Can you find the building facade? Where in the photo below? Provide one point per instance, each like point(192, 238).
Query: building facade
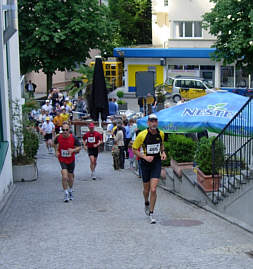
point(178, 24)
point(10, 86)
point(180, 46)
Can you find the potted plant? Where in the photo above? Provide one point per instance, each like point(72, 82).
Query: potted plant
point(25, 144)
point(122, 104)
point(203, 157)
point(181, 152)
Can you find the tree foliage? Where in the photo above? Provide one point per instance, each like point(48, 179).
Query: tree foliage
point(134, 21)
point(57, 34)
point(231, 21)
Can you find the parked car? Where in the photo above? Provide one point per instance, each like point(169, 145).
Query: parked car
point(187, 87)
point(241, 91)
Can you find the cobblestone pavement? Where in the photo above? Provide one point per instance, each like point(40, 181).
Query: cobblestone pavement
point(105, 226)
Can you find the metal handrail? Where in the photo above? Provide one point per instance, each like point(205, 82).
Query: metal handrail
point(239, 148)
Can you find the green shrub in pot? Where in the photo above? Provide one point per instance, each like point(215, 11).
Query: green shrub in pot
point(203, 155)
point(182, 149)
point(179, 148)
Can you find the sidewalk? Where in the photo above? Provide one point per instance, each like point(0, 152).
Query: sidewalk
point(105, 226)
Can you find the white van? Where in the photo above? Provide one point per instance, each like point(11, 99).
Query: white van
point(187, 87)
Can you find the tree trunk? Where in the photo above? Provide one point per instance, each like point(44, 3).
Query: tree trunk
point(49, 82)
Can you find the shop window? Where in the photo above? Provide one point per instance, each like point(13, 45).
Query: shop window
point(227, 76)
point(175, 67)
point(242, 78)
point(187, 29)
point(191, 67)
point(207, 67)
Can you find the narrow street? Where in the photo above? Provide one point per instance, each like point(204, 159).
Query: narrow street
point(105, 226)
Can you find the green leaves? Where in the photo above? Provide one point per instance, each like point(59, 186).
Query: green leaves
point(133, 18)
point(55, 35)
point(232, 23)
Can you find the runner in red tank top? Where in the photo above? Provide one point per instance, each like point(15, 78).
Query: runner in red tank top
point(66, 147)
point(91, 141)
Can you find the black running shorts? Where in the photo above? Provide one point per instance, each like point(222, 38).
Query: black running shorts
point(48, 137)
point(69, 166)
point(93, 152)
point(151, 170)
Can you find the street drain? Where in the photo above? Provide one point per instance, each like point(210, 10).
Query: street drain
point(101, 210)
point(181, 223)
point(250, 254)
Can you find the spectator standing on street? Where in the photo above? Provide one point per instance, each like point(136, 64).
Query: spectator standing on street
point(131, 155)
point(60, 99)
point(133, 128)
point(152, 142)
point(112, 107)
point(66, 145)
point(30, 88)
point(119, 141)
point(54, 97)
point(127, 137)
point(91, 142)
point(116, 104)
point(141, 102)
point(154, 104)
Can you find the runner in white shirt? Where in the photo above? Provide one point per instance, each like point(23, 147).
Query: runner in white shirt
point(47, 106)
point(48, 130)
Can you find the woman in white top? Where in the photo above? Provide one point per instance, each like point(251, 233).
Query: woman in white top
point(119, 141)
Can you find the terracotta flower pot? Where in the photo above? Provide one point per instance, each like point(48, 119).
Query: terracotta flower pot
point(206, 181)
point(178, 167)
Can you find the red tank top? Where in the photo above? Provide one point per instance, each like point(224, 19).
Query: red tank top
point(64, 144)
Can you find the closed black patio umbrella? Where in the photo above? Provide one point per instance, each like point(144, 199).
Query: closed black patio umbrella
point(99, 98)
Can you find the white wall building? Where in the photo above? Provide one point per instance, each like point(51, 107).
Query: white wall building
point(183, 45)
point(10, 86)
point(177, 24)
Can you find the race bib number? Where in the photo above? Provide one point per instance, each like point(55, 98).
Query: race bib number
point(91, 139)
point(65, 153)
point(153, 149)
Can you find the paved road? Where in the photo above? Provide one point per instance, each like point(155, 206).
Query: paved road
point(105, 226)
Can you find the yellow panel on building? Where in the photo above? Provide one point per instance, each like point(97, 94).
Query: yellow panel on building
point(113, 72)
point(132, 69)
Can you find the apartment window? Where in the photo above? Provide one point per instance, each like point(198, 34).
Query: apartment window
point(187, 29)
point(166, 3)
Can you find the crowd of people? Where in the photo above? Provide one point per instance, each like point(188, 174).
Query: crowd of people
point(143, 147)
point(57, 110)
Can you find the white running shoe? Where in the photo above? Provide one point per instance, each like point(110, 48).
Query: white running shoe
point(66, 197)
point(93, 176)
point(146, 210)
point(152, 219)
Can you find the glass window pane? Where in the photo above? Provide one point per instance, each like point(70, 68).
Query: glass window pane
point(179, 29)
point(197, 29)
point(188, 29)
point(191, 67)
point(227, 76)
point(165, 3)
point(242, 78)
point(178, 83)
point(199, 85)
